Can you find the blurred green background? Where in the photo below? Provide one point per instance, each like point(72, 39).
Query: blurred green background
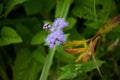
point(22, 49)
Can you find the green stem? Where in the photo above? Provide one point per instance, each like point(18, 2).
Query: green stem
point(47, 64)
point(62, 8)
point(65, 8)
point(97, 66)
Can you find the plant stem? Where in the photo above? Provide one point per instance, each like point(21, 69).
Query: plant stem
point(47, 64)
point(97, 66)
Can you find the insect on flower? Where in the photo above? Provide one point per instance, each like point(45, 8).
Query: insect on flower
point(56, 36)
point(46, 26)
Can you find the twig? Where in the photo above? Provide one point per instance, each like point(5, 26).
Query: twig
point(97, 66)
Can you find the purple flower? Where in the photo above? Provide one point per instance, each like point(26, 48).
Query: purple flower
point(52, 29)
point(60, 23)
point(55, 38)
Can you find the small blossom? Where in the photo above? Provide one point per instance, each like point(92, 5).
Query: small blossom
point(52, 29)
point(55, 38)
point(60, 23)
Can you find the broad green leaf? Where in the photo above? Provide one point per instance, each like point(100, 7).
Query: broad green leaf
point(72, 70)
point(39, 6)
point(25, 68)
point(75, 35)
point(94, 25)
point(25, 27)
point(71, 23)
point(90, 10)
point(39, 54)
point(90, 65)
point(39, 38)
point(68, 72)
point(12, 4)
point(32, 23)
point(24, 32)
point(9, 36)
point(62, 8)
point(66, 58)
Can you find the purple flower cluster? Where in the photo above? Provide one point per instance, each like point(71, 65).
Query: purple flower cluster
point(60, 23)
point(56, 37)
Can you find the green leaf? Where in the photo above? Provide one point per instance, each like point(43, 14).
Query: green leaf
point(24, 32)
point(90, 65)
point(62, 8)
point(68, 72)
point(39, 54)
point(9, 36)
point(32, 25)
point(39, 38)
point(12, 4)
point(66, 58)
point(71, 22)
point(76, 33)
point(89, 10)
point(25, 27)
point(39, 6)
point(94, 25)
point(72, 70)
point(25, 68)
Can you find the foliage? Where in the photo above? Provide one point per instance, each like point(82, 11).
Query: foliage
point(92, 47)
point(9, 36)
